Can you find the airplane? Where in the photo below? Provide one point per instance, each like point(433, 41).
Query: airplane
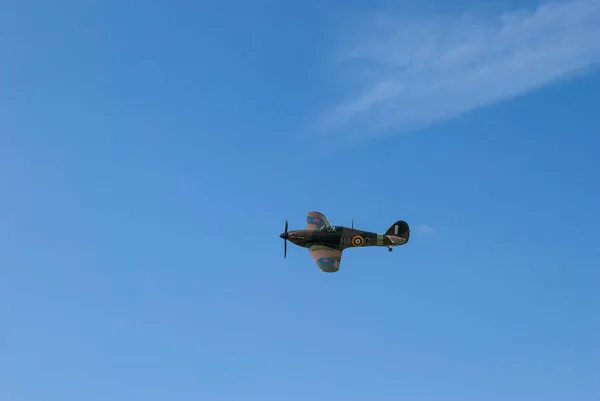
point(326, 242)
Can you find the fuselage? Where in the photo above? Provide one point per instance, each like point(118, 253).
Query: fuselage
point(340, 238)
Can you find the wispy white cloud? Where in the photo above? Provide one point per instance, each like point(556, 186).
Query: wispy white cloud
point(424, 228)
point(411, 72)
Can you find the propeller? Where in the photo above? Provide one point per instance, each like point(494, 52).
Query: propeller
point(285, 236)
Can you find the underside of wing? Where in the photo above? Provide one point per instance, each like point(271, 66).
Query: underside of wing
point(326, 258)
point(315, 220)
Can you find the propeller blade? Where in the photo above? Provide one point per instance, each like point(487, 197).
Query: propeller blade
point(284, 236)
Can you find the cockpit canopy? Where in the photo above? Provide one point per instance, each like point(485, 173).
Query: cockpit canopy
point(328, 229)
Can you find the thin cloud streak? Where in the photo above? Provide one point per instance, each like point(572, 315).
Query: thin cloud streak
point(419, 71)
point(424, 228)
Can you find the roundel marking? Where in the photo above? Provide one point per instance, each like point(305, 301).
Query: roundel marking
point(315, 220)
point(326, 261)
point(357, 240)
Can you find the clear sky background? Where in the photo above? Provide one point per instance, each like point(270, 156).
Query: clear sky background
point(150, 154)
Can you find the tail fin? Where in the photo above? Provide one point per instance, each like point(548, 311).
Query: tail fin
point(399, 229)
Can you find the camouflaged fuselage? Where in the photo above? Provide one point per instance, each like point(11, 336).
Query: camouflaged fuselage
point(340, 238)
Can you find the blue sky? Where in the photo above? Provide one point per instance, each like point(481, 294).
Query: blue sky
point(149, 157)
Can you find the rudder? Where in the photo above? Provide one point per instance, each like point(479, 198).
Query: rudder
point(399, 229)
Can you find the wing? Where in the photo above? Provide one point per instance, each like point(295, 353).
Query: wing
point(326, 258)
point(316, 220)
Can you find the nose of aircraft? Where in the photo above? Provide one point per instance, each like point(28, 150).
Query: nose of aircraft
point(283, 235)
